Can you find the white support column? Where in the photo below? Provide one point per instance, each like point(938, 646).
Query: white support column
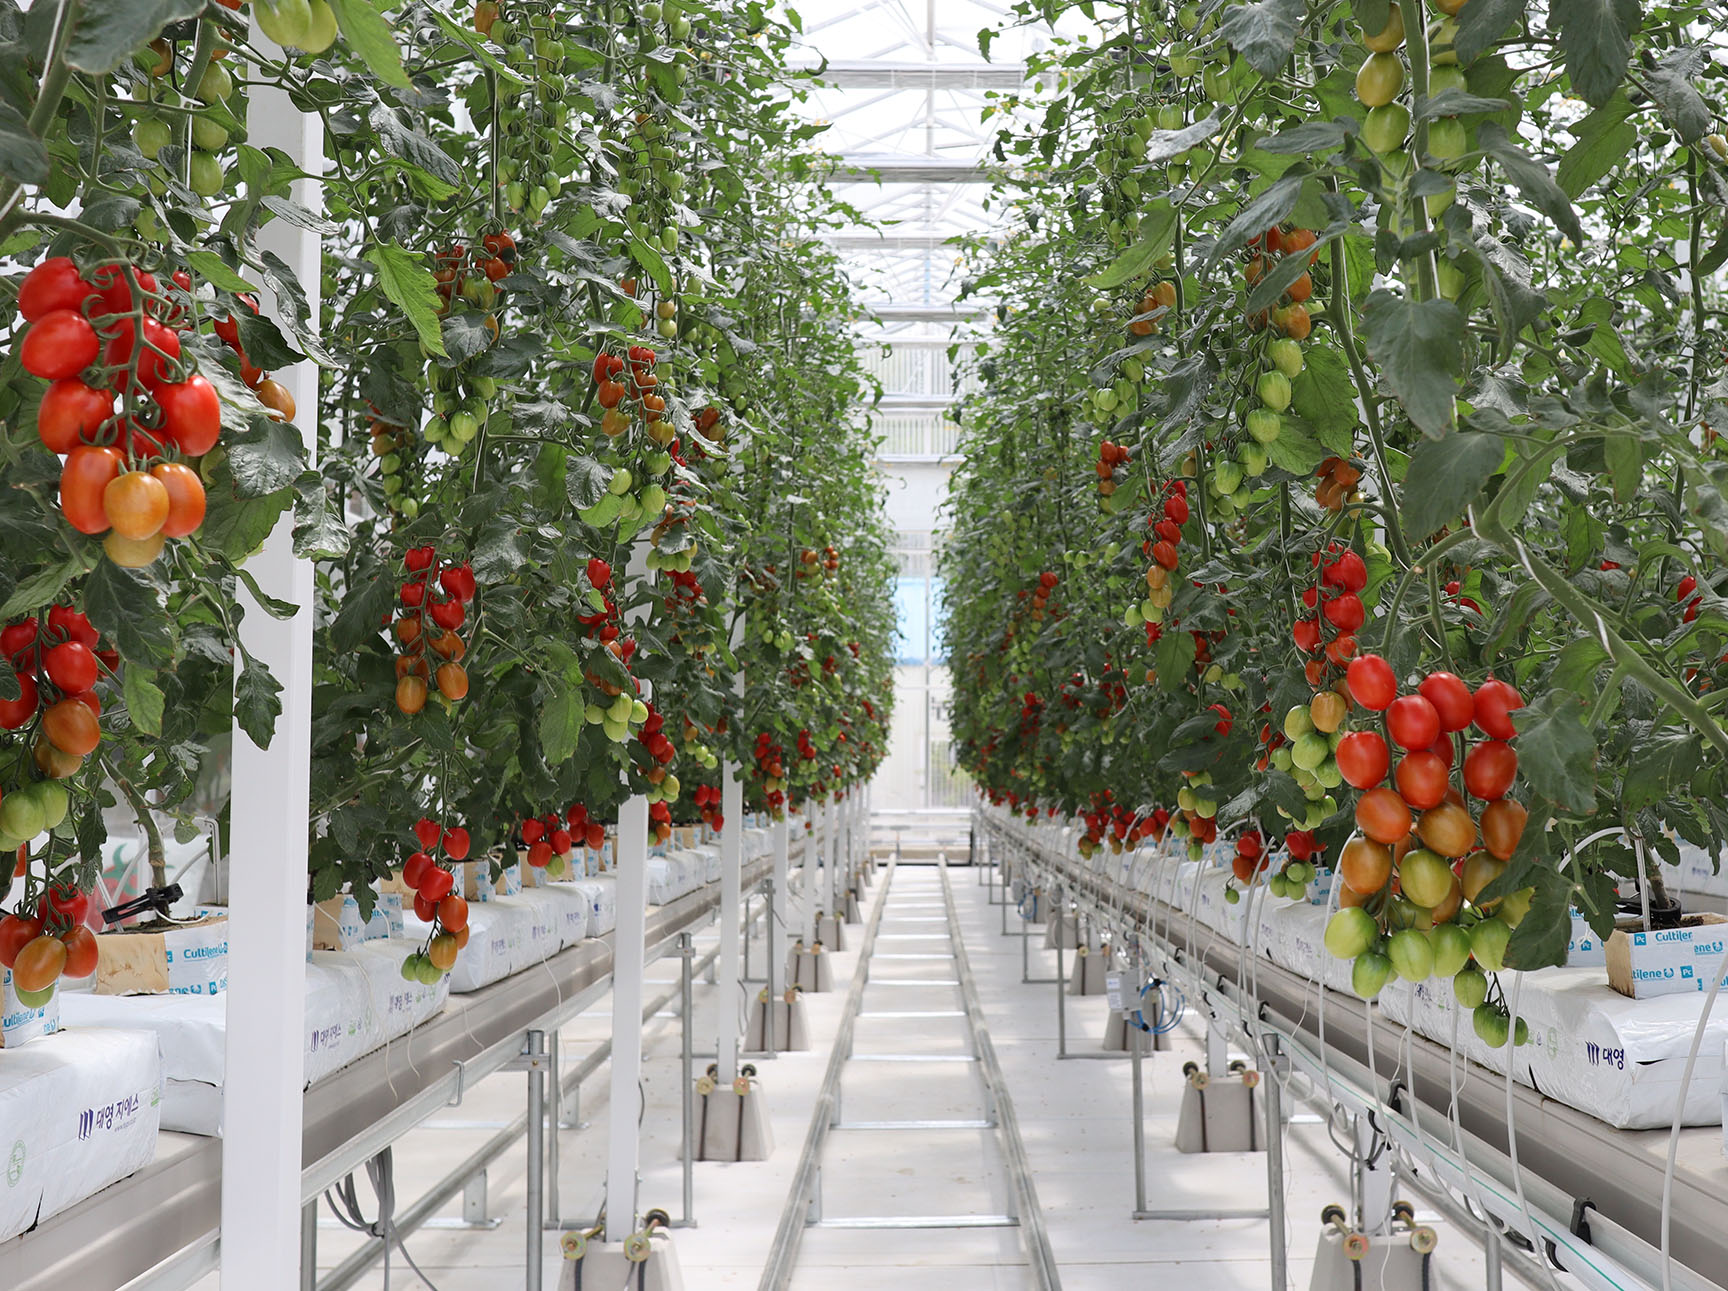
point(812, 858)
point(261, 1093)
point(782, 866)
point(623, 1151)
point(836, 888)
point(731, 941)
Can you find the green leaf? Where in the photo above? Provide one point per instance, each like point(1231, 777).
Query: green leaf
point(1453, 470)
point(265, 458)
point(411, 288)
point(214, 270)
point(318, 528)
point(1556, 751)
point(466, 335)
point(1324, 394)
point(1311, 138)
point(42, 587)
point(1625, 458)
point(110, 30)
point(1663, 763)
point(294, 310)
point(234, 526)
point(1596, 38)
point(1481, 23)
point(1670, 84)
point(368, 35)
point(1604, 138)
point(561, 710)
point(1506, 274)
point(585, 481)
point(1419, 347)
point(1157, 227)
point(1271, 207)
point(144, 698)
point(275, 607)
point(1577, 663)
point(129, 609)
point(1263, 32)
point(653, 264)
point(1173, 656)
point(23, 158)
point(1295, 450)
point(257, 701)
point(1162, 145)
point(1532, 179)
point(1542, 935)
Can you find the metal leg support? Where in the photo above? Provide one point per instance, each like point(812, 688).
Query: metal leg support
point(309, 1246)
point(1273, 1069)
point(687, 953)
point(554, 1112)
point(536, 1055)
point(1061, 995)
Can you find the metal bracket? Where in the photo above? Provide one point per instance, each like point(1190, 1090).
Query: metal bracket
point(461, 1080)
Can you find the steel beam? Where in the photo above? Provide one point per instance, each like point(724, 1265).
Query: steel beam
point(860, 75)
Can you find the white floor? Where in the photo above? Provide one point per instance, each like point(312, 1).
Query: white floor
point(1074, 1118)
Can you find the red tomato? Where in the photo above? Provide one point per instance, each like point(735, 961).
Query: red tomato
point(53, 284)
point(60, 344)
point(1345, 612)
point(88, 471)
point(456, 844)
point(65, 621)
point(1489, 769)
point(114, 283)
point(1371, 681)
point(72, 728)
point(1495, 699)
point(595, 836)
point(1451, 699)
point(1165, 554)
point(1307, 635)
point(71, 904)
point(415, 871)
point(1422, 778)
point(39, 964)
point(71, 666)
point(16, 932)
point(425, 909)
point(1362, 759)
point(186, 501)
point(152, 366)
point(191, 414)
point(1412, 722)
point(438, 883)
point(71, 413)
point(453, 913)
point(81, 952)
point(15, 714)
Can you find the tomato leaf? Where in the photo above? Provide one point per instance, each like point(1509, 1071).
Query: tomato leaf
point(466, 335)
point(1419, 347)
point(1271, 207)
point(1263, 32)
point(585, 481)
point(129, 609)
point(1663, 763)
point(292, 306)
point(144, 698)
point(1482, 23)
point(1157, 227)
point(23, 158)
point(109, 30)
point(1670, 84)
point(368, 34)
point(257, 701)
point(214, 270)
point(1532, 179)
point(318, 528)
point(42, 587)
point(1452, 471)
point(561, 710)
point(1173, 656)
point(1603, 140)
point(1556, 751)
point(1324, 394)
point(1596, 38)
point(1162, 145)
point(1542, 935)
point(1311, 138)
point(411, 288)
point(1295, 450)
point(265, 458)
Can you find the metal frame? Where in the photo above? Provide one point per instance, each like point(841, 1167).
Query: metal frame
point(1563, 1155)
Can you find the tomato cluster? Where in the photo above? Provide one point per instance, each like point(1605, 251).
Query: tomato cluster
point(107, 338)
point(768, 758)
point(1336, 613)
point(58, 667)
point(814, 565)
point(707, 800)
point(1157, 301)
point(436, 900)
point(434, 598)
point(52, 943)
point(1161, 548)
point(550, 840)
point(1111, 458)
point(472, 274)
point(1411, 880)
point(1290, 316)
point(1109, 823)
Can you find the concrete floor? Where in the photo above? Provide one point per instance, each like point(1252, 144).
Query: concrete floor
point(1074, 1118)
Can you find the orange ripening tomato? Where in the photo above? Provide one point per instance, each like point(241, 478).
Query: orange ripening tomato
point(39, 964)
point(186, 500)
point(87, 473)
point(72, 727)
point(137, 505)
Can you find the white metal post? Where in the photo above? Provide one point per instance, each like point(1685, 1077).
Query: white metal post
point(623, 1151)
point(812, 858)
point(836, 887)
point(731, 880)
point(261, 1092)
point(782, 848)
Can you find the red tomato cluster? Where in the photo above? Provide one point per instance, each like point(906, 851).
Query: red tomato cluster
point(768, 759)
point(1291, 316)
point(1335, 613)
point(627, 380)
point(58, 668)
point(1110, 457)
point(112, 336)
point(473, 274)
point(551, 836)
point(653, 737)
point(1161, 549)
point(434, 597)
point(1421, 809)
point(52, 943)
point(1108, 822)
point(707, 798)
point(1686, 593)
point(1251, 856)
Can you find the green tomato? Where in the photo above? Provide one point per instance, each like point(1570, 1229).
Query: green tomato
point(35, 999)
point(21, 816)
point(638, 712)
point(1425, 878)
point(1264, 426)
point(1448, 140)
point(1386, 128)
point(1488, 943)
point(1274, 390)
point(1491, 1025)
point(1310, 750)
point(1297, 722)
point(152, 135)
point(1350, 933)
point(1281, 757)
point(1231, 896)
point(1470, 987)
point(216, 84)
point(208, 135)
point(1451, 950)
point(620, 482)
point(1183, 60)
point(284, 21)
point(653, 500)
point(1369, 974)
point(594, 715)
point(430, 974)
point(411, 968)
point(207, 176)
point(1254, 458)
point(1286, 356)
point(1412, 956)
point(1227, 477)
point(321, 32)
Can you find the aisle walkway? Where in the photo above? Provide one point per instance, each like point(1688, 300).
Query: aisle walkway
point(1074, 1118)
